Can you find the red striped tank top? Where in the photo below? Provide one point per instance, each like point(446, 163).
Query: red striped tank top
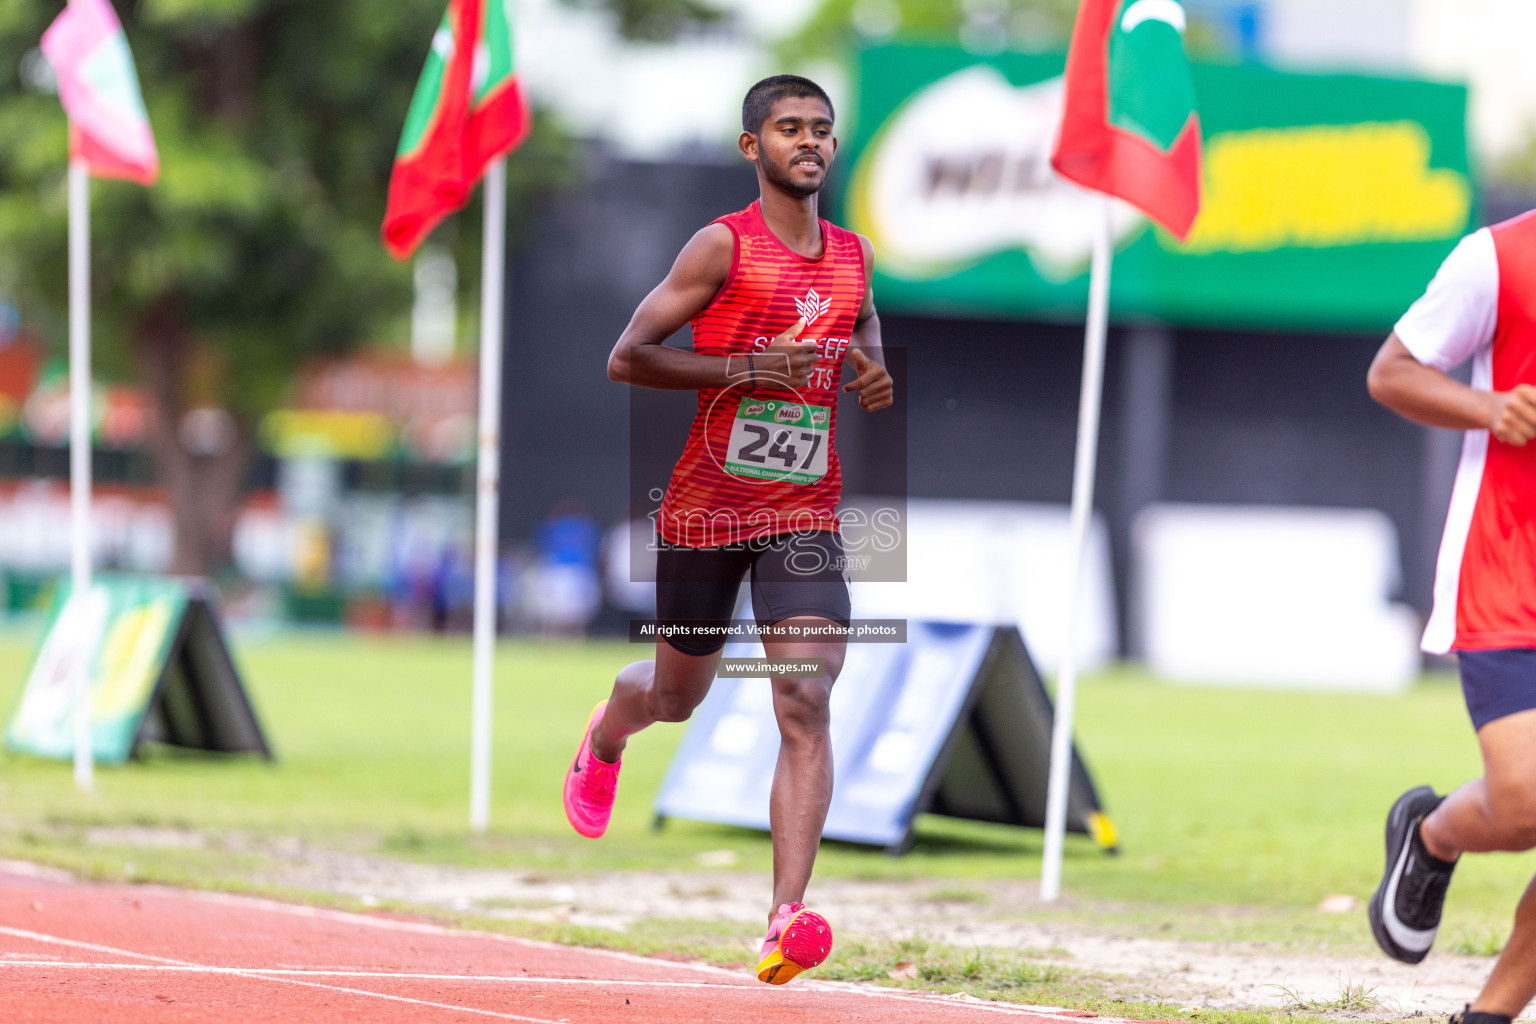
point(762, 462)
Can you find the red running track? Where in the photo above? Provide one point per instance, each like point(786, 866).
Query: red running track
point(78, 954)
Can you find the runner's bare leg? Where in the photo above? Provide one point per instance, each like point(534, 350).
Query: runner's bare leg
point(1512, 984)
point(802, 781)
point(1498, 812)
point(664, 689)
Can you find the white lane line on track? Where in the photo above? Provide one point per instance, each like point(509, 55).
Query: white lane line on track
point(284, 973)
point(280, 973)
point(422, 928)
point(185, 965)
point(21, 933)
point(311, 972)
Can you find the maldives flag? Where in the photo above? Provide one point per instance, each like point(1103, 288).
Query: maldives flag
point(99, 88)
point(1130, 127)
point(468, 109)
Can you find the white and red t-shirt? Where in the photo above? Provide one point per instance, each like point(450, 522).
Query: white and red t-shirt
point(1481, 306)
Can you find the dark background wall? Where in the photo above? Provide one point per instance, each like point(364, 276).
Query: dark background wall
point(592, 254)
point(1190, 416)
point(990, 407)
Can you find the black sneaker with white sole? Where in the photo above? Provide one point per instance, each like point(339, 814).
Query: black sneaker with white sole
point(1471, 1016)
point(1405, 911)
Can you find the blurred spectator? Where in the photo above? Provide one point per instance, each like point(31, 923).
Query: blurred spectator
point(453, 591)
point(567, 589)
point(511, 574)
point(411, 578)
point(10, 322)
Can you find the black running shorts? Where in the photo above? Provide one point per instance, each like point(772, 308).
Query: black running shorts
point(792, 574)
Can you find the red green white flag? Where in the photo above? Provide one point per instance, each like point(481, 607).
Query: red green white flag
point(498, 109)
point(1130, 127)
point(468, 109)
point(108, 128)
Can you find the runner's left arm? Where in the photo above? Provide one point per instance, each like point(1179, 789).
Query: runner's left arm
point(873, 382)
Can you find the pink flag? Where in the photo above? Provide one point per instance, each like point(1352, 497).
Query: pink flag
point(108, 126)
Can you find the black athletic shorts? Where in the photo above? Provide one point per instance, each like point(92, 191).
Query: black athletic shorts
point(792, 574)
point(1497, 682)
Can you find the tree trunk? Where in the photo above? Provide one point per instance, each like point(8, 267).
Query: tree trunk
point(204, 490)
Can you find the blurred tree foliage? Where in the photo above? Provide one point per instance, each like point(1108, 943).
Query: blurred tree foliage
point(839, 27)
point(277, 123)
point(656, 20)
point(1515, 169)
point(982, 26)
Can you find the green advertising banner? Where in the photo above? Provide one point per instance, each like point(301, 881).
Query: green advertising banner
point(122, 629)
point(157, 668)
point(1328, 200)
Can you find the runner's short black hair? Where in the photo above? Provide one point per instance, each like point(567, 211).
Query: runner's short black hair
point(762, 96)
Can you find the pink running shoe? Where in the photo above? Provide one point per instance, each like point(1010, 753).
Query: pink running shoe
point(589, 784)
point(798, 939)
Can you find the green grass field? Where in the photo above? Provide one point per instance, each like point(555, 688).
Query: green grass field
point(1239, 811)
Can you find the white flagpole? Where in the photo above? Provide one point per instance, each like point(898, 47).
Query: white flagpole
point(80, 445)
point(1082, 512)
point(492, 279)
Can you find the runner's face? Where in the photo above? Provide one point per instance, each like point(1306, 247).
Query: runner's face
point(795, 145)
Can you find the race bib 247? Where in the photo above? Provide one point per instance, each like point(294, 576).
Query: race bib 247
point(778, 440)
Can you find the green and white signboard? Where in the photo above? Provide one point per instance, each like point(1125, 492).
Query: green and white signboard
point(157, 666)
point(1328, 200)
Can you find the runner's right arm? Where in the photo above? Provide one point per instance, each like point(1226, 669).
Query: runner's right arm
point(1455, 318)
point(1425, 395)
point(641, 358)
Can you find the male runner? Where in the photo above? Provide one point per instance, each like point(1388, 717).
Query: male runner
point(776, 297)
point(1480, 306)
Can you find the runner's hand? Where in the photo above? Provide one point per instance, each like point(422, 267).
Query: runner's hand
point(1514, 415)
point(873, 383)
point(787, 362)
